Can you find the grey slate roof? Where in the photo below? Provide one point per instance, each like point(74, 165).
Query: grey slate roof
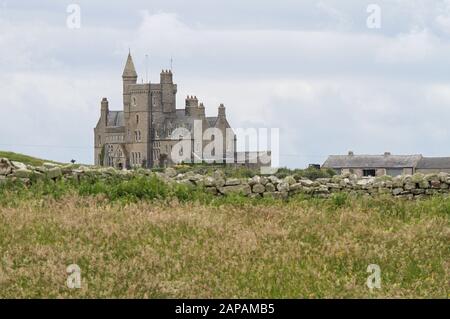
point(434, 163)
point(372, 161)
point(129, 70)
point(211, 120)
point(115, 118)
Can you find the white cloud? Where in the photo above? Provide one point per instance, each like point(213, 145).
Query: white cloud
point(328, 91)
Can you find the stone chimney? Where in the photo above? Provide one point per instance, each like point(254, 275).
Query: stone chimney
point(104, 110)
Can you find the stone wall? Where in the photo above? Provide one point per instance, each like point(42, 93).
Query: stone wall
point(407, 186)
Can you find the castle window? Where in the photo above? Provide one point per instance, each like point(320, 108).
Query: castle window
point(213, 152)
point(133, 101)
point(137, 119)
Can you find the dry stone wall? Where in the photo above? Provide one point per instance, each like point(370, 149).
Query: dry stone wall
point(407, 186)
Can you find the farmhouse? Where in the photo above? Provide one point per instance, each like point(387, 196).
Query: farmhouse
point(386, 164)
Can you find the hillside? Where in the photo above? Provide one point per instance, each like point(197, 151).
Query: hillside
point(25, 159)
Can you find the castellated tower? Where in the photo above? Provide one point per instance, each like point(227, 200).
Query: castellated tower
point(129, 77)
point(140, 134)
point(168, 91)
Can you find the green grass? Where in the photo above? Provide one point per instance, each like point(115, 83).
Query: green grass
point(28, 160)
point(140, 238)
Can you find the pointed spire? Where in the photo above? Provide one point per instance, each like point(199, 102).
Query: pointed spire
point(129, 71)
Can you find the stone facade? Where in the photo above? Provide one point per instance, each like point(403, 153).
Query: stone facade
point(142, 134)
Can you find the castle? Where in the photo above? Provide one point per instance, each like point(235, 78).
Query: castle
point(142, 135)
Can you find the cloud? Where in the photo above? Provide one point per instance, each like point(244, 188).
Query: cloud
point(326, 81)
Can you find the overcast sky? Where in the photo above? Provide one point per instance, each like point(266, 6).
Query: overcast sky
point(313, 69)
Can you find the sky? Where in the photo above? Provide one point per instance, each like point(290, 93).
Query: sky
point(316, 70)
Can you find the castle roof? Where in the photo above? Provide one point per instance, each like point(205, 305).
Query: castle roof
point(129, 70)
point(212, 120)
point(115, 118)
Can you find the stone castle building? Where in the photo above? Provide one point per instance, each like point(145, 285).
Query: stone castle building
point(141, 134)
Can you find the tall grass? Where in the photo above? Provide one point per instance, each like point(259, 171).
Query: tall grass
point(166, 248)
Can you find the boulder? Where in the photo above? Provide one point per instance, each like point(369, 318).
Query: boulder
point(397, 191)
point(283, 187)
point(170, 172)
point(254, 180)
point(232, 182)
point(258, 188)
point(289, 180)
point(263, 180)
point(274, 180)
point(209, 181)
point(295, 187)
point(219, 182)
point(306, 182)
point(6, 166)
point(323, 180)
point(218, 174)
point(243, 189)
point(270, 187)
point(54, 172)
point(409, 186)
point(23, 173)
point(322, 190)
point(435, 184)
point(19, 165)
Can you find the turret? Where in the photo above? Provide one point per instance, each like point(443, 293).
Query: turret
point(201, 110)
point(104, 111)
point(221, 111)
point(166, 77)
point(191, 106)
point(168, 91)
point(129, 77)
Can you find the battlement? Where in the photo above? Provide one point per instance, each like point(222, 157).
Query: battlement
point(166, 77)
point(191, 101)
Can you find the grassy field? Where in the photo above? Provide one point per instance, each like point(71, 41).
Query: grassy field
point(26, 159)
point(153, 246)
